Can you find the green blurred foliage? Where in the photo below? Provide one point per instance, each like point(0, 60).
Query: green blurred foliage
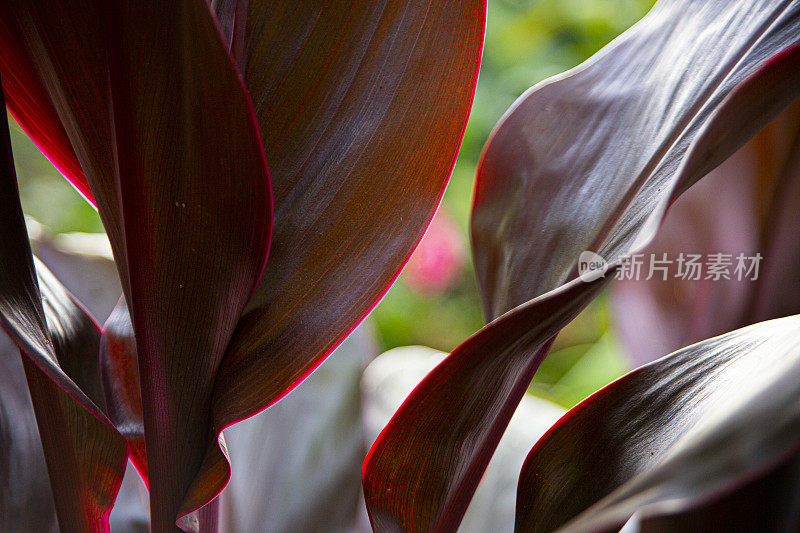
point(526, 42)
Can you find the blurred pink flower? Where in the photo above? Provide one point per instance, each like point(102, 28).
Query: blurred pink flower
point(438, 261)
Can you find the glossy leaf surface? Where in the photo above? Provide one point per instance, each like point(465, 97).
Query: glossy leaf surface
point(359, 156)
point(704, 427)
point(28, 504)
point(393, 375)
point(361, 140)
point(197, 209)
point(346, 208)
point(424, 467)
point(28, 101)
point(92, 278)
point(59, 91)
point(617, 136)
point(589, 160)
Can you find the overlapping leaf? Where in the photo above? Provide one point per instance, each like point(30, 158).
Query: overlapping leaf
point(587, 161)
point(392, 376)
point(27, 502)
point(56, 61)
point(712, 427)
point(176, 154)
point(85, 455)
point(424, 467)
point(361, 141)
point(197, 210)
point(28, 101)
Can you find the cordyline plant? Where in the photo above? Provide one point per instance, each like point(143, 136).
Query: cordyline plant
point(164, 115)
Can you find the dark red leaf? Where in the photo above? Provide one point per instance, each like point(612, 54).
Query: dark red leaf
point(93, 279)
point(712, 427)
point(385, 94)
point(387, 382)
point(612, 138)
point(362, 107)
point(589, 160)
point(27, 100)
point(85, 455)
point(426, 464)
point(197, 209)
point(27, 504)
point(74, 334)
point(59, 91)
point(359, 155)
point(175, 153)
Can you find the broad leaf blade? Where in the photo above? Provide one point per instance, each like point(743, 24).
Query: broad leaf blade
point(361, 141)
point(61, 96)
point(74, 334)
point(393, 375)
point(559, 176)
point(704, 423)
point(197, 206)
point(611, 140)
point(27, 505)
point(28, 102)
point(85, 455)
point(178, 153)
point(426, 464)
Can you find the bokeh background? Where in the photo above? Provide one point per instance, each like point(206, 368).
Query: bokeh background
point(435, 301)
